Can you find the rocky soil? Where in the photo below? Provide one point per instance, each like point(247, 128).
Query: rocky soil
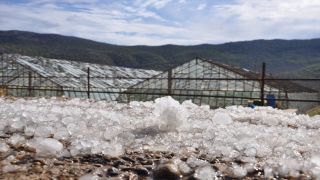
point(21, 162)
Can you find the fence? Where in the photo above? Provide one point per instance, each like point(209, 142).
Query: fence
point(35, 86)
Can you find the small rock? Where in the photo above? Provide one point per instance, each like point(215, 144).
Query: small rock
point(55, 171)
point(29, 149)
point(36, 168)
point(97, 165)
point(41, 160)
point(128, 159)
point(148, 162)
point(113, 172)
point(100, 160)
point(167, 170)
point(59, 163)
point(20, 155)
point(142, 171)
point(139, 158)
point(149, 167)
point(223, 168)
point(119, 162)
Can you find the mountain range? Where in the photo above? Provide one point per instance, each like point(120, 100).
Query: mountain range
point(283, 58)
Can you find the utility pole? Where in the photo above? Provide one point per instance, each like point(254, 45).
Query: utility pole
point(262, 83)
point(88, 82)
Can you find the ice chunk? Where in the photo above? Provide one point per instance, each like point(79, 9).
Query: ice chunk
point(171, 119)
point(18, 123)
point(96, 150)
point(16, 138)
point(170, 112)
point(114, 149)
point(221, 118)
point(52, 118)
point(315, 159)
point(32, 108)
point(111, 132)
point(251, 152)
point(270, 120)
point(48, 147)
point(29, 130)
point(205, 173)
point(268, 172)
point(205, 107)
point(4, 147)
point(249, 167)
point(67, 120)
point(194, 162)
point(65, 153)
point(189, 104)
point(316, 172)
point(42, 131)
point(162, 104)
point(74, 151)
point(61, 134)
point(3, 124)
point(239, 171)
point(263, 151)
point(89, 177)
point(10, 168)
point(184, 168)
point(283, 170)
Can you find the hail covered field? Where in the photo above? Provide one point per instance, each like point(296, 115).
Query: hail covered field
point(276, 143)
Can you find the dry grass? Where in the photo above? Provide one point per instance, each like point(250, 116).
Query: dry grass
point(314, 111)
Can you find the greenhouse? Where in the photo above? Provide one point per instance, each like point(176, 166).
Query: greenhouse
point(25, 76)
point(206, 82)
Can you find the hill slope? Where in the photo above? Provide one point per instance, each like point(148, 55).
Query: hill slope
point(284, 58)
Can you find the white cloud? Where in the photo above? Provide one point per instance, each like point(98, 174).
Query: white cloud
point(157, 22)
point(154, 3)
point(161, 3)
point(201, 6)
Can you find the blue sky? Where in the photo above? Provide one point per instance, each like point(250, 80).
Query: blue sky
point(159, 22)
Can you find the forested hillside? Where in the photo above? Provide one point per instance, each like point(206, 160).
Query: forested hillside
point(285, 58)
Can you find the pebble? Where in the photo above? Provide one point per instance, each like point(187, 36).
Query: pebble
point(119, 162)
point(113, 172)
point(128, 159)
point(59, 163)
point(36, 168)
point(167, 170)
point(142, 171)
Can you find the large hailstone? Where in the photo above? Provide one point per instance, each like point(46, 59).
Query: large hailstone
point(171, 114)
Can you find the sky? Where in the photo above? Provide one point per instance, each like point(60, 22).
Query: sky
point(160, 22)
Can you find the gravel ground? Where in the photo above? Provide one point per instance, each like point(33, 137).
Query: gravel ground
point(21, 162)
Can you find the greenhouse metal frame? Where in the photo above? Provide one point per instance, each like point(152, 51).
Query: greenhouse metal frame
point(205, 82)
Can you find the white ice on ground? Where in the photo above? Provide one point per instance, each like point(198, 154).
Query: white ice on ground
point(205, 173)
point(46, 146)
point(265, 137)
point(221, 118)
point(4, 147)
point(171, 114)
point(89, 177)
point(16, 138)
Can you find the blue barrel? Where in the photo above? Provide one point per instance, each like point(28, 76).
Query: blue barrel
point(271, 100)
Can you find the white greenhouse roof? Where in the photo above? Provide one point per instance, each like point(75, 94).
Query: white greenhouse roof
point(74, 74)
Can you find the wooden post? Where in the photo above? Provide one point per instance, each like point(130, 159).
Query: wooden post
point(262, 83)
point(169, 81)
point(88, 83)
point(30, 83)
